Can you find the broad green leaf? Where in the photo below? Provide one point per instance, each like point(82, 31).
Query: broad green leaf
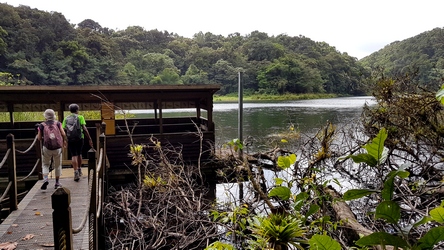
point(366, 158)
point(292, 158)
point(432, 237)
point(438, 214)
point(313, 209)
point(389, 211)
point(285, 161)
point(218, 245)
point(323, 242)
point(440, 95)
point(387, 191)
point(300, 199)
point(357, 193)
point(281, 192)
point(376, 147)
point(403, 174)
point(278, 181)
point(380, 239)
point(422, 221)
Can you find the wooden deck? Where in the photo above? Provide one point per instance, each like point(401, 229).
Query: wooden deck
point(34, 215)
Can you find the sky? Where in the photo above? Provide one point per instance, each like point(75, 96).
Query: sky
point(356, 27)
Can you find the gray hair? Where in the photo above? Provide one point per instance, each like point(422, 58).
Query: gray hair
point(49, 115)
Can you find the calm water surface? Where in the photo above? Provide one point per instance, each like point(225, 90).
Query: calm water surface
point(260, 120)
point(263, 119)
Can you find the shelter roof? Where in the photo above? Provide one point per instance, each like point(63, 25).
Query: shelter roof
point(61, 96)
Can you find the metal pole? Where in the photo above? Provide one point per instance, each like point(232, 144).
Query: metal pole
point(240, 112)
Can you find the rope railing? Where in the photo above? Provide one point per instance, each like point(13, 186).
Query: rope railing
point(63, 229)
point(27, 150)
point(85, 216)
point(32, 171)
point(6, 191)
point(9, 159)
point(99, 198)
point(5, 158)
point(90, 186)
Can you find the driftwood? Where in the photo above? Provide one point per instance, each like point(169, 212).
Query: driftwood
point(267, 159)
point(344, 213)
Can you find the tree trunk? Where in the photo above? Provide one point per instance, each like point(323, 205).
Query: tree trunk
point(344, 213)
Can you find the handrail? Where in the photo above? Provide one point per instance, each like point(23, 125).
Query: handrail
point(32, 171)
point(96, 190)
point(99, 208)
point(10, 159)
point(85, 217)
point(6, 191)
point(63, 230)
point(27, 150)
point(5, 158)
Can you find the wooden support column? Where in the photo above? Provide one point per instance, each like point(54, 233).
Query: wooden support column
point(12, 167)
point(61, 219)
point(38, 152)
point(109, 117)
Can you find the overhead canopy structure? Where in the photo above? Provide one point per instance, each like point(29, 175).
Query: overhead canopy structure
point(180, 132)
point(157, 97)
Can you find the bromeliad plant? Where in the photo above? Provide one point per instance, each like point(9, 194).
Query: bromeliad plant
point(278, 231)
point(388, 209)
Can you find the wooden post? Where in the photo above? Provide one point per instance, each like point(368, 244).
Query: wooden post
point(103, 128)
point(38, 152)
point(61, 219)
point(11, 161)
point(93, 232)
point(104, 185)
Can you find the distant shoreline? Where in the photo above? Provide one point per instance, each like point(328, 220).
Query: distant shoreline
point(266, 97)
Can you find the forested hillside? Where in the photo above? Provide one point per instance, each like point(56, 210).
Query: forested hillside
point(422, 55)
point(43, 48)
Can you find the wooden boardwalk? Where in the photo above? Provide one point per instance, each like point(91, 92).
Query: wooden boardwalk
point(34, 215)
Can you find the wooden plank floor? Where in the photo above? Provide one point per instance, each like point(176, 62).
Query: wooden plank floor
point(34, 215)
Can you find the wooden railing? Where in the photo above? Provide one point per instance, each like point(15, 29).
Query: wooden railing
point(10, 160)
point(97, 188)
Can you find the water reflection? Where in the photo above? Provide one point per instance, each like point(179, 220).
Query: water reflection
point(261, 120)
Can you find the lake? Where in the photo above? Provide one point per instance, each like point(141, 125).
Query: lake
point(265, 121)
point(261, 120)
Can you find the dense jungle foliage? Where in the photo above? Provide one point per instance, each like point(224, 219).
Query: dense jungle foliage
point(43, 48)
point(422, 54)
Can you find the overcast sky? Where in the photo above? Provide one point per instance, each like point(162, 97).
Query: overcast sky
point(358, 27)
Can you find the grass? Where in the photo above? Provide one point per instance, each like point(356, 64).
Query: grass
point(267, 97)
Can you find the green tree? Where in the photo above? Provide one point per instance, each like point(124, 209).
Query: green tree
point(170, 76)
point(195, 76)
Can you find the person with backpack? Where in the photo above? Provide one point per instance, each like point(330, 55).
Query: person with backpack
point(75, 128)
point(54, 139)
